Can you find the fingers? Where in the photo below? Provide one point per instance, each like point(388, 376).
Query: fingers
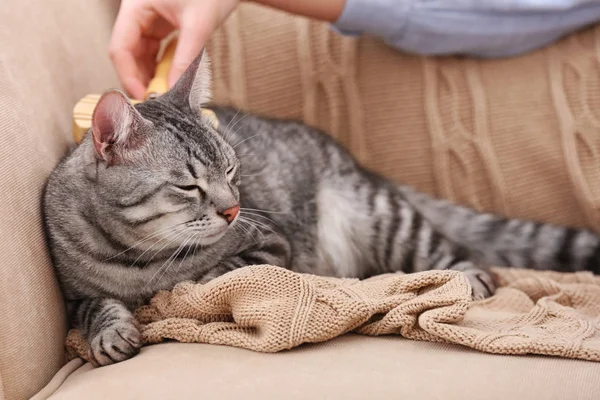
point(125, 37)
point(141, 25)
point(195, 30)
point(146, 60)
point(131, 77)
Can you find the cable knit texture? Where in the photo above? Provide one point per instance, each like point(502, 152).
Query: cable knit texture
point(269, 309)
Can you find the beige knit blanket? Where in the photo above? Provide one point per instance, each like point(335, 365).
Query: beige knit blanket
point(269, 309)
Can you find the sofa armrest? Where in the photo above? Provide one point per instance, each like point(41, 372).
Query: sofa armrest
point(51, 54)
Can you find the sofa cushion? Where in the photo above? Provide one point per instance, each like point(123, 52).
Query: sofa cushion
point(349, 367)
point(51, 54)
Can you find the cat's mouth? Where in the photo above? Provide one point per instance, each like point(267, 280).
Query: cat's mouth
point(213, 237)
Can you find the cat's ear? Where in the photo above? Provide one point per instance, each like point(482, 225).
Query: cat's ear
point(193, 88)
point(116, 126)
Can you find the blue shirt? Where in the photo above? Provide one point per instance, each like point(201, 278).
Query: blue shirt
point(484, 28)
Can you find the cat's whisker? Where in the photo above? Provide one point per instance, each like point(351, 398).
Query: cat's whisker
point(170, 240)
point(228, 132)
point(174, 254)
point(225, 131)
point(253, 227)
point(236, 226)
point(258, 223)
point(248, 138)
point(265, 211)
point(196, 248)
point(146, 238)
point(194, 236)
point(257, 215)
point(174, 257)
point(174, 232)
point(247, 231)
point(236, 122)
point(257, 230)
point(261, 173)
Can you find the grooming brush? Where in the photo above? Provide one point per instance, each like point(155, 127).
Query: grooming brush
point(83, 110)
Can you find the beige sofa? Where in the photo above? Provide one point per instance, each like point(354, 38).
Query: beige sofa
point(515, 136)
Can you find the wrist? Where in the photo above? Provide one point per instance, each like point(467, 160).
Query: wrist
point(324, 10)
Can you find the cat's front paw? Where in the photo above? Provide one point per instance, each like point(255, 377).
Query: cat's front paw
point(482, 283)
point(117, 342)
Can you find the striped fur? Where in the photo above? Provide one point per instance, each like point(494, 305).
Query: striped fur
point(143, 213)
point(495, 240)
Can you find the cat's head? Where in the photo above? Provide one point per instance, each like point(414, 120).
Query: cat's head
point(161, 168)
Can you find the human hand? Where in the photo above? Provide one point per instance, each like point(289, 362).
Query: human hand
point(142, 24)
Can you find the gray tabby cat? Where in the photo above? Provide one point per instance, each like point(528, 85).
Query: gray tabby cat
point(152, 196)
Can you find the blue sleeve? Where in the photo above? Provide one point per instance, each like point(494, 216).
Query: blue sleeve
point(484, 28)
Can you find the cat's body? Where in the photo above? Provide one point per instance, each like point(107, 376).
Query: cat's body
point(150, 199)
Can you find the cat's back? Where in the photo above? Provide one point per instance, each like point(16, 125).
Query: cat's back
point(291, 144)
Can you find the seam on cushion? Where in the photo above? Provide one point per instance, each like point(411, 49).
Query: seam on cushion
point(58, 379)
point(2, 393)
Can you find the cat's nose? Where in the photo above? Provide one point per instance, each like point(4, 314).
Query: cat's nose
point(230, 213)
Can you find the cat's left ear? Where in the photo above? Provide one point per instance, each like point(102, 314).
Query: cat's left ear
point(117, 127)
point(193, 88)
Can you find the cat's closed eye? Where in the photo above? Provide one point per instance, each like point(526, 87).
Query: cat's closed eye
point(230, 172)
point(189, 188)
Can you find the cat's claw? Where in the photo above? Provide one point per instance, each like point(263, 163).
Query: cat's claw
point(482, 283)
point(115, 343)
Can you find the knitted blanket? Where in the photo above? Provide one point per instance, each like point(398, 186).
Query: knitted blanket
point(269, 309)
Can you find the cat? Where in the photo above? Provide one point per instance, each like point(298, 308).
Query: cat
point(155, 195)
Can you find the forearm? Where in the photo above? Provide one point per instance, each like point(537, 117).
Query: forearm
point(489, 28)
point(324, 10)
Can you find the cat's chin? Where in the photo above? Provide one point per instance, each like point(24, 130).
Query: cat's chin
point(211, 239)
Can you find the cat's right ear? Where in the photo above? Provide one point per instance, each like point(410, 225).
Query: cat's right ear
point(116, 127)
point(193, 88)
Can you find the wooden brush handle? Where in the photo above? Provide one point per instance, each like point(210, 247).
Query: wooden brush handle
point(159, 85)
point(83, 110)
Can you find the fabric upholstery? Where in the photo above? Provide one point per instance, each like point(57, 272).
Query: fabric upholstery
point(51, 54)
point(58, 379)
point(346, 368)
point(515, 136)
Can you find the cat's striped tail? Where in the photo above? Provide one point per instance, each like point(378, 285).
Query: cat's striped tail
point(510, 242)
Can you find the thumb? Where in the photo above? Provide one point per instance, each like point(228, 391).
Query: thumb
point(193, 35)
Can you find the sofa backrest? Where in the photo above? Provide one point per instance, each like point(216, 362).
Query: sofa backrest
point(51, 54)
point(517, 136)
